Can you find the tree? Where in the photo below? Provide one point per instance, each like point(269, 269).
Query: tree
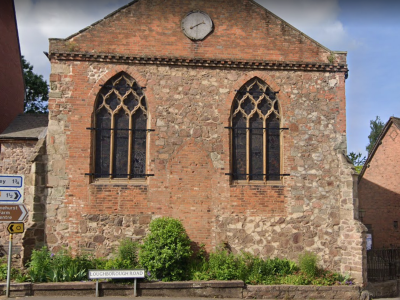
point(358, 160)
point(376, 129)
point(37, 90)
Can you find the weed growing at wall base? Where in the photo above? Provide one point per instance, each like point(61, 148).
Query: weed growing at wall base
point(166, 255)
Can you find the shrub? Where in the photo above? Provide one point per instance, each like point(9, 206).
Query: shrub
point(39, 266)
point(224, 265)
point(45, 266)
point(166, 250)
point(308, 263)
point(127, 252)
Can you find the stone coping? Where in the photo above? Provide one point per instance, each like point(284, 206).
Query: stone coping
point(211, 289)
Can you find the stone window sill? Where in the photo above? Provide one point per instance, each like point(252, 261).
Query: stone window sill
point(258, 182)
point(119, 181)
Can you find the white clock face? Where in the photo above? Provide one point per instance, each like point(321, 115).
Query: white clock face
point(197, 25)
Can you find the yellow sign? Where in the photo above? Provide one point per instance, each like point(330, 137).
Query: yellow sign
point(15, 227)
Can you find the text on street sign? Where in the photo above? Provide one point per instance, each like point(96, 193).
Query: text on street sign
point(13, 212)
point(102, 274)
point(10, 181)
point(10, 195)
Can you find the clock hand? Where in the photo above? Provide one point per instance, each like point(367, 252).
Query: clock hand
point(197, 25)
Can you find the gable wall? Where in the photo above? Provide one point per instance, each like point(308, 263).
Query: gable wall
point(243, 31)
point(379, 191)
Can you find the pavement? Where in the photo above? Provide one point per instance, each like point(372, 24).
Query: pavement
point(3, 297)
point(126, 297)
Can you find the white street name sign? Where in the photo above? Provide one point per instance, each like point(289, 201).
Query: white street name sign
point(113, 274)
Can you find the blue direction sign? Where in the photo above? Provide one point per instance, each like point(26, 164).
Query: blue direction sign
point(10, 195)
point(11, 181)
point(11, 189)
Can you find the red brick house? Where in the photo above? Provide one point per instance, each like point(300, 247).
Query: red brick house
point(379, 188)
point(12, 89)
point(218, 113)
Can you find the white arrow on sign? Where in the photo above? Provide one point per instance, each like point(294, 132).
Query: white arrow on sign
point(24, 212)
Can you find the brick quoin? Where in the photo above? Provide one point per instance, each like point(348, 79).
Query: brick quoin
point(189, 88)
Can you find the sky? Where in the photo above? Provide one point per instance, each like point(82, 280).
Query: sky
point(369, 30)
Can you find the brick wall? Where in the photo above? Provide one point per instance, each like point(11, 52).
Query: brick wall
point(379, 191)
point(11, 81)
point(242, 31)
point(189, 152)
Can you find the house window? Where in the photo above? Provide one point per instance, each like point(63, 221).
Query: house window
point(256, 133)
point(120, 121)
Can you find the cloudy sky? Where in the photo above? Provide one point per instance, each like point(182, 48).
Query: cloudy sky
point(368, 29)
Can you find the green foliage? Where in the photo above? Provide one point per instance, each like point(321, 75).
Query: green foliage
point(40, 265)
point(358, 160)
point(376, 129)
point(166, 250)
point(45, 266)
point(198, 265)
point(224, 265)
point(127, 252)
point(15, 273)
point(36, 90)
point(308, 263)
point(331, 58)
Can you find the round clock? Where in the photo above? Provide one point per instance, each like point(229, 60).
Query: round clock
point(197, 25)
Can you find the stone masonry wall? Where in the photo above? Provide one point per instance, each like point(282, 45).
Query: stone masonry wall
point(20, 158)
point(189, 153)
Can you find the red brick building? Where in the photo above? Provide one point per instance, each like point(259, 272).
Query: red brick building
point(12, 89)
point(379, 188)
point(218, 113)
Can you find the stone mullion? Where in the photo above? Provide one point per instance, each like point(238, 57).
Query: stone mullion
point(130, 146)
point(248, 149)
point(265, 132)
point(112, 144)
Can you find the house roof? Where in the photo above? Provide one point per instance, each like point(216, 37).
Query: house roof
point(26, 127)
point(392, 120)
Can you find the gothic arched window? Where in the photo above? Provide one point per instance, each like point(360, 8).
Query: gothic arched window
point(255, 123)
point(120, 121)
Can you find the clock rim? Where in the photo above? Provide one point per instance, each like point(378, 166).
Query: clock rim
point(211, 29)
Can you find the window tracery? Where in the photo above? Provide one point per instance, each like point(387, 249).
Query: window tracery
point(120, 129)
point(255, 121)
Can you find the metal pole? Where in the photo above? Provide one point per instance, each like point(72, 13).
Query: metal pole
point(9, 266)
point(134, 289)
point(97, 288)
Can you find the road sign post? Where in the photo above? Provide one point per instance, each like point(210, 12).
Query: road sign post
point(9, 266)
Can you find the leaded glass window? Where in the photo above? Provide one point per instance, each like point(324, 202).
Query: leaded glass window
point(256, 133)
point(121, 129)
